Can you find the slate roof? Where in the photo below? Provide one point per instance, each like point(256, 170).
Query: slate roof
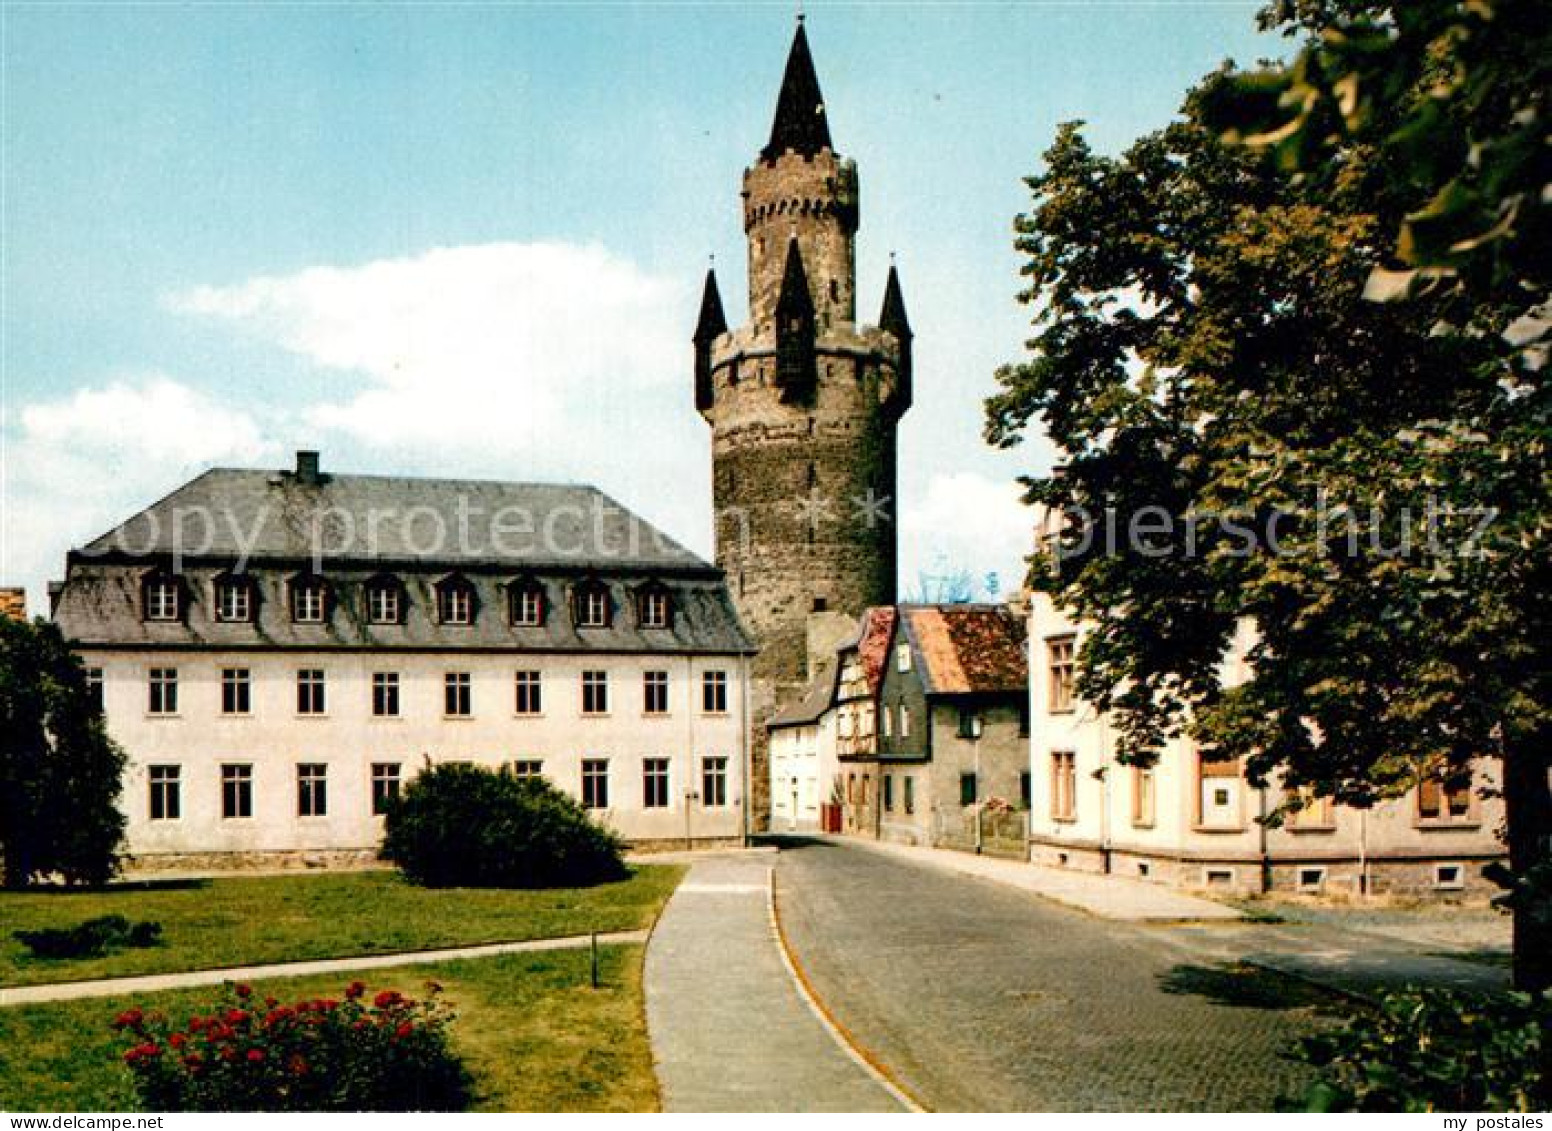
point(573, 534)
point(967, 649)
point(814, 703)
point(800, 123)
point(270, 515)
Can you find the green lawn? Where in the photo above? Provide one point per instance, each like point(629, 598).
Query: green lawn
point(533, 1032)
point(247, 920)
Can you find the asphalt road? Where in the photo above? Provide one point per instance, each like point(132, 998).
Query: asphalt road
point(982, 998)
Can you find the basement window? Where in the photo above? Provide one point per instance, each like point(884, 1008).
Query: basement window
point(1449, 877)
point(1218, 877)
point(1312, 879)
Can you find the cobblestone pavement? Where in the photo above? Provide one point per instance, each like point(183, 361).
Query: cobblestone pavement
point(983, 998)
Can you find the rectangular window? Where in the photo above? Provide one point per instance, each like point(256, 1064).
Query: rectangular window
point(967, 789)
point(236, 691)
point(528, 607)
point(910, 793)
point(595, 783)
point(1060, 654)
point(1142, 796)
point(889, 793)
point(310, 699)
point(654, 610)
point(714, 698)
point(382, 603)
point(887, 721)
point(528, 768)
point(312, 789)
point(163, 691)
point(1440, 800)
point(1219, 786)
point(166, 793)
point(385, 695)
point(1064, 785)
point(455, 604)
point(967, 721)
point(905, 721)
point(236, 791)
point(903, 656)
point(714, 775)
point(1026, 790)
point(162, 600)
point(1317, 814)
point(94, 691)
point(457, 697)
point(593, 607)
point(234, 601)
point(654, 688)
point(307, 602)
point(595, 693)
point(654, 783)
point(385, 786)
point(529, 699)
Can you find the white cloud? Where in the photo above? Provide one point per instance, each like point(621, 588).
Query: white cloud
point(966, 522)
point(76, 466)
point(530, 359)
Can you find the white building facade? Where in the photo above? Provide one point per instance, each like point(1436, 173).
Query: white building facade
point(1196, 823)
point(273, 693)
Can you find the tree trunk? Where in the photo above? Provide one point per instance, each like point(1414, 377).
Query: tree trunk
point(1528, 820)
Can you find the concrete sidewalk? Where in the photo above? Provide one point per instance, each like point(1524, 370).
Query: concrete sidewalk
point(150, 983)
point(730, 1030)
point(1107, 897)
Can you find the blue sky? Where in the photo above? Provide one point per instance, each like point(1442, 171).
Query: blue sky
point(235, 230)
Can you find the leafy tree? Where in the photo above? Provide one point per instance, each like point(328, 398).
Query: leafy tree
point(60, 773)
point(1248, 440)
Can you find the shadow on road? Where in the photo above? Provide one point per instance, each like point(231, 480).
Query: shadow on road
point(1248, 987)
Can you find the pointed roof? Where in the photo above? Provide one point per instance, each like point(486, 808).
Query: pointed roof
point(800, 124)
point(712, 321)
point(795, 297)
point(893, 318)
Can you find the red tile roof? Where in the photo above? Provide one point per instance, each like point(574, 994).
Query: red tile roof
point(966, 649)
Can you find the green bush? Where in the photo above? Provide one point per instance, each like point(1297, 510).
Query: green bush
point(91, 939)
point(327, 1054)
point(463, 826)
point(1436, 1050)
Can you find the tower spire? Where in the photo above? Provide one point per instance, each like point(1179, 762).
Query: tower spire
point(800, 124)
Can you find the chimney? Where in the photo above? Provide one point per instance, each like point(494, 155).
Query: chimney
point(307, 468)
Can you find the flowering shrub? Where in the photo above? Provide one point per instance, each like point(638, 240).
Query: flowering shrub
point(384, 1053)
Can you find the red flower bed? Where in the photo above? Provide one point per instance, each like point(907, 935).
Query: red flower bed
point(391, 1054)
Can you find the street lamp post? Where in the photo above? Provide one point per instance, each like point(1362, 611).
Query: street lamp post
point(975, 745)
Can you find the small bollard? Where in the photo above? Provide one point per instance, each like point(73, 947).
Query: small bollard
point(594, 939)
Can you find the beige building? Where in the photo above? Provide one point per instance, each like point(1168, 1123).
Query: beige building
point(1195, 823)
point(280, 652)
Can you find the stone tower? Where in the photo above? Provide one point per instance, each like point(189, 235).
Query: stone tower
point(803, 402)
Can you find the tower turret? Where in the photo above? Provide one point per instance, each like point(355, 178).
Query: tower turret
point(795, 375)
point(803, 402)
point(711, 325)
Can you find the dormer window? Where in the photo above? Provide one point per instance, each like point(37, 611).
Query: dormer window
point(593, 605)
point(163, 598)
point(527, 604)
point(309, 600)
point(234, 599)
point(455, 601)
point(654, 608)
point(384, 601)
